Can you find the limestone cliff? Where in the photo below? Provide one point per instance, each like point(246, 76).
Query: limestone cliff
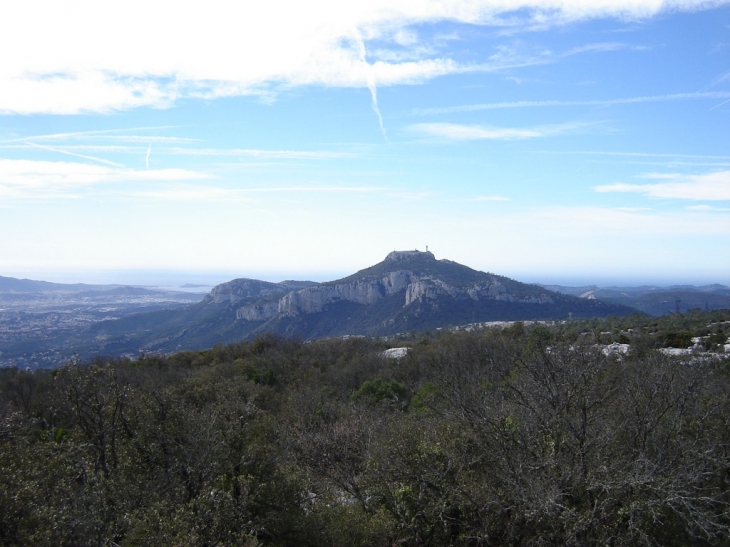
point(415, 275)
point(242, 290)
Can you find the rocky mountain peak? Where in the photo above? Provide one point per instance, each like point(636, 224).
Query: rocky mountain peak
point(402, 256)
point(408, 276)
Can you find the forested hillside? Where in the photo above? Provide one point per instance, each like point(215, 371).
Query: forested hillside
point(527, 435)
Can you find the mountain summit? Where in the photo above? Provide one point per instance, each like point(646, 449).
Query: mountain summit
point(406, 291)
point(400, 256)
point(409, 290)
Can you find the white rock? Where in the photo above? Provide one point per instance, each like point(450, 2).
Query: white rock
point(395, 353)
point(616, 349)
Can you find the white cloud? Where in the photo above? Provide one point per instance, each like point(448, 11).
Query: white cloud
point(192, 193)
point(593, 102)
point(22, 179)
point(117, 134)
point(708, 208)
point(90, 56)
point(472, 132)
point(707, 187)
point(262, 154)
point(318, 189)
point(79, 149)
point(198, 193)
point(71, 153)
point(476, 132)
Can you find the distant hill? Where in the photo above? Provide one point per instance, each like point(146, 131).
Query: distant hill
point(409, 290)
point(655, 300)
point(11, 284)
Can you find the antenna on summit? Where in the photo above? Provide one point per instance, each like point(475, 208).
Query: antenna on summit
point(426, 248)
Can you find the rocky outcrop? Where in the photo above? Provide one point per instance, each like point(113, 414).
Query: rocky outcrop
point(428, 289)
point(314, 299)
point(240, 290)
point(415, 287)
point(403, 256)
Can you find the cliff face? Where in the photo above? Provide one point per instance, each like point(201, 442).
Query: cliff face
point(415, 284)
point(406, 292)
point(242, 290)
point(314, 299)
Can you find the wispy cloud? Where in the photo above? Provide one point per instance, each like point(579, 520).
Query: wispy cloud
point(639, 154)
point(122, 134)
point(187, 192)
point(154, 139)
point(263, 153)
point(191, 193)
point(706, 187)
point(317, 189)
point(663, 160)
point(592, 102)
point(83, 151)
point(24, 179)
point(454, 131)
point(112, 58)
point(75, 154)
point(708, 208)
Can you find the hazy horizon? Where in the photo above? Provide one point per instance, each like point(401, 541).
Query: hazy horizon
point(170, 279)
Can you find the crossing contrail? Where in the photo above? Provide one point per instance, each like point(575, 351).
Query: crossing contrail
point(370, 81)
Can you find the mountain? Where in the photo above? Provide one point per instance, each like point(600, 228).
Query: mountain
point(655, 300)
point(409, 290)
point(204, 324)
point(12, 284)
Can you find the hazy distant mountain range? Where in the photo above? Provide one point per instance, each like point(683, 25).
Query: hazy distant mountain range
point(408, 291)
point(654, 300)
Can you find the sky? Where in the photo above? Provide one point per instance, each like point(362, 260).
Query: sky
point(554, 141)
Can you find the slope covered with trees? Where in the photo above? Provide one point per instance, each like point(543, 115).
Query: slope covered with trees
point(529, 435)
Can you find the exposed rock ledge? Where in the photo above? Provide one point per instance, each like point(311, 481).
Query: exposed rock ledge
point(314, 299)
point(402, 256)
point(416, 289)
point(238, 290)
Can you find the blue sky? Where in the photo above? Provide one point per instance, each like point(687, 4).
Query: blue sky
point(556, 141)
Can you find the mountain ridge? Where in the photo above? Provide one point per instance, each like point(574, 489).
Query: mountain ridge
point(417, 273)
point(407, 291)
point(653, 299)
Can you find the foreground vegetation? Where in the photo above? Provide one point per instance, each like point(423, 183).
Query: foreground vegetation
point(530, 435)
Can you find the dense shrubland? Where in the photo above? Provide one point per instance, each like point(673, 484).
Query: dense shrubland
point(529, 435)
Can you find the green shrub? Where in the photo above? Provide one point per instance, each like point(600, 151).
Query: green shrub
point(381, 390)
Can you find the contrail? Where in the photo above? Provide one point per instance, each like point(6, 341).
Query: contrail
point(62, 151)
point(717, 105)
point(147, 157)
point(370, 80)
